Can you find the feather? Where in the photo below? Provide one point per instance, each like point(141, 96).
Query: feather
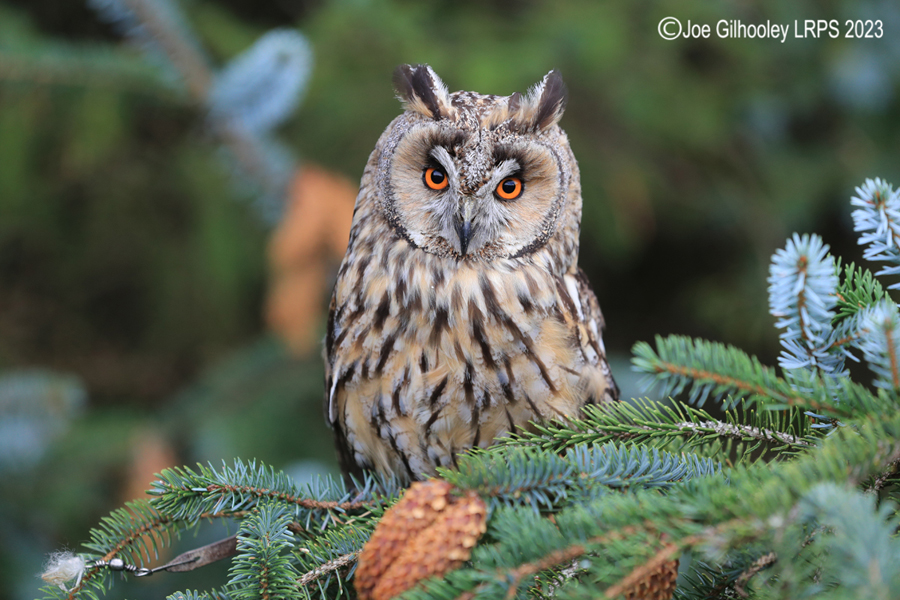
point(422, 91)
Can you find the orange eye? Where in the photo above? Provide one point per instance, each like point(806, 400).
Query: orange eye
point(509, 189)
point(435, 178)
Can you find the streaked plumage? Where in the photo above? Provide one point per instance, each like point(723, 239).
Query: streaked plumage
point(458, 316)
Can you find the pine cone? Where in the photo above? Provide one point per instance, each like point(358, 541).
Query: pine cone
point(427, 534)
point(658, 585)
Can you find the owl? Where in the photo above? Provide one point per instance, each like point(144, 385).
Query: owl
point(459, 313)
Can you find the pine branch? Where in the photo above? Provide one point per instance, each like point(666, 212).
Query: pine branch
point(514, 476)
point(617, 535)
point(198, 595)
point(878, 218)
point(674, 427)
point(135, 533)
point(858, 290)
point(712, 369)
point(263, 86)
point(252, 95)
point(68, 65)
point(331, 559)
point(161, 30)
point(327, 568)
point(521, 475)
point(263, 568)
point(802, 293)
point(881, 345)
point(704, 580)
point(614, 466)
point(185, 493)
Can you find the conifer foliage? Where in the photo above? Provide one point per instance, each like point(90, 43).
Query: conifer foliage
point(791, 494)
point(245, 100)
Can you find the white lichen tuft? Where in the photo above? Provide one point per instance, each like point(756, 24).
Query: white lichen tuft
point(62, 568)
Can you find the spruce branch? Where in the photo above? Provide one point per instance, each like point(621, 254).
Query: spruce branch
point(763, 562)
point(160, 29)
point(882, 480)
point(135, 532)
point(881, 345)
point(244, 101)
point(214, 594)
point(713, 369)
point(331, 559)
point(522, 475)
point(645, 570)
point(619, 466)
point(613, 534)
point(185, 493)
point(858, 290)
point(514, 476)
point(704, 580)
point(860, 550)
point(878, 219)
point(673, 426)
point(68, 65)
point(259, 89)
point(263, 568)
point(327, 568)
point(802, 294)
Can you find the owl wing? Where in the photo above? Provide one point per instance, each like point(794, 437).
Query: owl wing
point(590, 326)
point(345, 454)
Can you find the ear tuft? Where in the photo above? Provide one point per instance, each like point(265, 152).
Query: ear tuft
point(422, 91)
point(514, 103)
point(552, 102)
point(543, 106)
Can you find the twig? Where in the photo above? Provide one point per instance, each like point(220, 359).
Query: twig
point(892, 354)
point(554, 558)
point(302, 502)
point(153, 526)
point(196, 73)
point(695, 374)
point(763, 562)
point(744, 431)
point(198, 78)
point(881, 481)
point(326, 568)
point(653, 565)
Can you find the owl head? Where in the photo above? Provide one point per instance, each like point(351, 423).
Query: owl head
point(477, 177)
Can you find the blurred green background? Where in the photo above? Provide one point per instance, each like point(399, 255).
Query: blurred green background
point(133, 265)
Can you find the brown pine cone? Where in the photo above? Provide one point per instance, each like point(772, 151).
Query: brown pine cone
point(658, 585)
point(427, 534)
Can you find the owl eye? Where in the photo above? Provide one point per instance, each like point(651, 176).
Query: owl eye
point(509, 189)
point(435, 178)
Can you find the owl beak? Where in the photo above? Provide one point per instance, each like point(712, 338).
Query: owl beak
point(464, 230)
point(464, 227)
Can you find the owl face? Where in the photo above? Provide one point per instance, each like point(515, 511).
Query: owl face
point(471, 176)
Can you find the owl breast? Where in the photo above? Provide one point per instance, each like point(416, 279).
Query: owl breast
point(430, 356)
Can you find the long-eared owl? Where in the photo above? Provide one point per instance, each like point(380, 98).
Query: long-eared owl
point(459, 313)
